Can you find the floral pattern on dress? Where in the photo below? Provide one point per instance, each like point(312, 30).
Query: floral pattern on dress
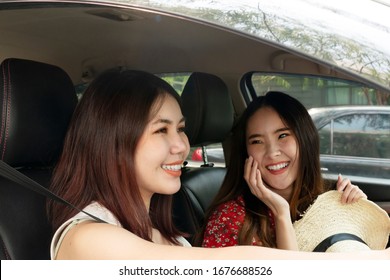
point(224, 224)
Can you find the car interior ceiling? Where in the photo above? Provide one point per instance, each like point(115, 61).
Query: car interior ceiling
point(135, 51)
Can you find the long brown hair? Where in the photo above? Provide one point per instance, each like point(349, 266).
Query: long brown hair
point(307, 186)
point(97, 161)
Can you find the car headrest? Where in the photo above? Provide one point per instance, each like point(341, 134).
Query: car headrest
point(37, 101)
point(207, 108)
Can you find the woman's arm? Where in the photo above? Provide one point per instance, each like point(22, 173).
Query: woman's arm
point(103, 241)
point(285, 233)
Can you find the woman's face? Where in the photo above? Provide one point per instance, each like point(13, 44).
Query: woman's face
point(161, 151)
point(274, 147)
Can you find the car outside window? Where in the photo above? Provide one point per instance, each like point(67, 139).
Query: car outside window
point(362, 135)
point(80, 89)
point(176, 80)
point(315, 91)
point(326, 146)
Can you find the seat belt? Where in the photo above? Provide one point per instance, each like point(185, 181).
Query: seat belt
point(18, 177)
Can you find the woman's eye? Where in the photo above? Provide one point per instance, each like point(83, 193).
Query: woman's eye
point(162, 130)
point(283, 135)
point(256, 142)
point(181, 129)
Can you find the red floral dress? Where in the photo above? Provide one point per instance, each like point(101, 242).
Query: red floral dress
point(225, 223)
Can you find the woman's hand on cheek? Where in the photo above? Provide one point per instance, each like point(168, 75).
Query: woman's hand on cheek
point(277, 204)
point(351, 193)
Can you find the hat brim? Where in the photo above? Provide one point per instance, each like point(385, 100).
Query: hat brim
point(327, 216)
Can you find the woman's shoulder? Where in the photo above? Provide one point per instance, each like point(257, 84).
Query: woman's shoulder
point(86, 215)
point(92, 240)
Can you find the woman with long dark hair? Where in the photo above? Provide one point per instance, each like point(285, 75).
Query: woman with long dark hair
point(273, 175)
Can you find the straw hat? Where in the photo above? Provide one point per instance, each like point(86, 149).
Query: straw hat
point(358, 226)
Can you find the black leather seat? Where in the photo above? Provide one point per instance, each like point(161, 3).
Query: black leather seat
point(37, 101)
point(209, 118)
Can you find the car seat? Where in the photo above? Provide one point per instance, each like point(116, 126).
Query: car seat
point(37, 101)
point(209, 115)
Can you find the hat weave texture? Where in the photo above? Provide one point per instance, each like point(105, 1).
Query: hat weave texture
point(327, 216)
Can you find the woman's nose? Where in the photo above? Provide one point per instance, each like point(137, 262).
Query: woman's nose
point(180, 143)
point(273, 150)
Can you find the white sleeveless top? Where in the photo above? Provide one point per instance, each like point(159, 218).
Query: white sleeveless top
point(97, 210)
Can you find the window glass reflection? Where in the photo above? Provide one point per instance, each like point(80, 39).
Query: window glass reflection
point(362, 135)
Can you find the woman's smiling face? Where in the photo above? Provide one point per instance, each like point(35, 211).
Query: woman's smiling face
point(274, 146)
point(161, 151)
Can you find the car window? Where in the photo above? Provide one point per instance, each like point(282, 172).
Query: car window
point(360, 135)
point(176, 80)
point(326, 146)
point(80, 89)
point(315, 91)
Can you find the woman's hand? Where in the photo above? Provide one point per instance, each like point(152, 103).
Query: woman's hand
point(278, 205)
point(285, 234)
point(351, 193)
